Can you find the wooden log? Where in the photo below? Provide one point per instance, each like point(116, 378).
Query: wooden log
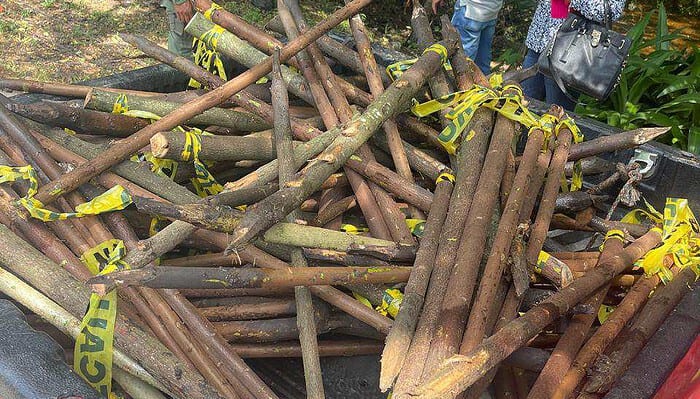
point(204, 278)
point(615, 142)
point(356, 132)
point(63, 320)
point(334, 210)
point(175, 335)
point(47, 168)
point(266, 43)
point(102, 100)
point(205, 333)
point(455, 305)
point(540, 227)
point(392, 182)
point(51, 279)
point(245, 98)
point(392, 216)
point(169, 145)
point(631, 342)
point(605, 334)
point(356, 347)
point(374, 80)
point(423, 34)
point(399, 339)
point(567, 347)
point(470, 156)
point(80, 120)
point(59, 89)
point(302, 295)
point(269, 309)
point(123, 149)
point(271, 330)
point(461, 371)
point(495, 265)
point(226, 220)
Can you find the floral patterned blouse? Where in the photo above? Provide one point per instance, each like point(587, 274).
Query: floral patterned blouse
point(544, 27)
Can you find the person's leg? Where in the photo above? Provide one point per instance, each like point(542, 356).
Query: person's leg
point(467, 32)
point(533, 87)
point(483, 55)
point(554, 95)
point(179, 41)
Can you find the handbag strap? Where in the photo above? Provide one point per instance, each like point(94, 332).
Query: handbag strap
point(607, 17)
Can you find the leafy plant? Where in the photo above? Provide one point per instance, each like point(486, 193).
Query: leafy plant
point(660, 86)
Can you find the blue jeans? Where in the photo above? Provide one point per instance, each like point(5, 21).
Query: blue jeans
point(543, 88)
point(476, 37)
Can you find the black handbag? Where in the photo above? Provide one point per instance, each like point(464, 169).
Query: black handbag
point(586, 56)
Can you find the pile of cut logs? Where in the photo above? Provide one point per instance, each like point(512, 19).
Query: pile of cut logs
point(342, 226)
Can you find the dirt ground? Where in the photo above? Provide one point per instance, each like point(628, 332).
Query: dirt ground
point(72, 40)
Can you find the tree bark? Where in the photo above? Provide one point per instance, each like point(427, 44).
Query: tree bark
point(631, 342)
point(399, 338)
point(207, 278)
point(80, 120)
point(123, 149)
point(356, 347)
point(461, 371)
point(615, 142)
point(101, 100)
point(214, 148)
point(355, 133)
point(53, 281)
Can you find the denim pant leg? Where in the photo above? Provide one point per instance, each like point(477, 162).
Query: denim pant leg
point(476, 37)
point(533, 87)
point(483, 55)
point(556, 96)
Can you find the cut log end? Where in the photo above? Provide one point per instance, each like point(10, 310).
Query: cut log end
point(159, 145)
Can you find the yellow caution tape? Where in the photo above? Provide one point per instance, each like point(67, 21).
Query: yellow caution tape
point(363, 300)
point(439, 49)
point(465, 103)
point(638, 216)
point(577, 175)
point(203, 182)
point(542, 259)
point(507, 100)
point(416, 226)
point(114, 199)
point(211, 9)
point(604, 313)
point(352, 229)
point(391, 302)
point(445, 176)
point(680, 241)
point(397, 69)
point(121, 104)
point(614, 233)
point(206, 55)
point(92, 354)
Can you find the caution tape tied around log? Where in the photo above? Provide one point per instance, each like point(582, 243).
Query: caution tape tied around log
point(114, 199)
point(94, 344)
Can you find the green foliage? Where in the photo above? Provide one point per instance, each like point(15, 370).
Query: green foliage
point(660, 86)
